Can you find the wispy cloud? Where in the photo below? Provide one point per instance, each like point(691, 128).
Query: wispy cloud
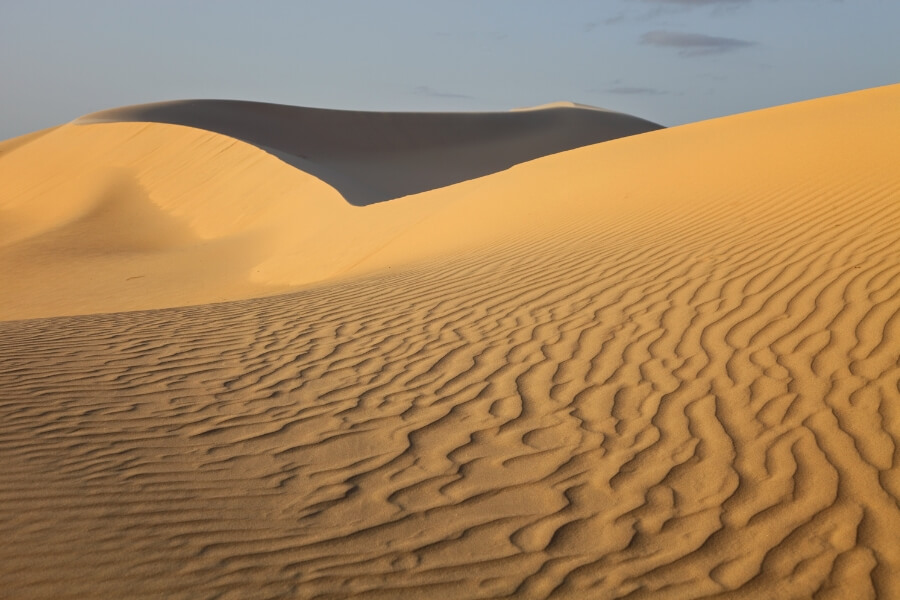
point(630, 90)
point(654, 9)
point(592, 25)
point(690, 3)
point(493, 36)
point(424, 90)
point(693, 44)
point(718, 7)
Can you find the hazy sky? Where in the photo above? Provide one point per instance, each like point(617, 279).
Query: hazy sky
point(672, 61)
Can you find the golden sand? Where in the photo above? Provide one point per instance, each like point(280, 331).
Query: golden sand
point(664, 366)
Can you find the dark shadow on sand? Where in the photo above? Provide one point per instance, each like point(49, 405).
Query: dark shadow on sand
point(372, 157)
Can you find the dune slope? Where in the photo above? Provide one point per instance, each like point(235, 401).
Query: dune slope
point(371, 157)
point(249, 224)
point(134, 215)
point(667, 366)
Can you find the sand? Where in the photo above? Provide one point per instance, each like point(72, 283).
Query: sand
point(373, 157)
point(101, 217)
point(662, 366)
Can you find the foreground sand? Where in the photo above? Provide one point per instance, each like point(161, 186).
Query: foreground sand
point(666, 366)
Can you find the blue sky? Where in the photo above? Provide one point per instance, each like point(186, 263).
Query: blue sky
point(672, 61)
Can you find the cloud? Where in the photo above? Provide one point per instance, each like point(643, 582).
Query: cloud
point(493, 36)
point(691, 3)
point(718, 7)
point(424, 90)
point(660, 8)
point(628, 90)
point(693, 44)
point(592, 25)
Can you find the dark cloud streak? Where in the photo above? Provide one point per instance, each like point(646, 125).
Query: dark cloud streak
point(627, 90)
point(691, 3)
point(693, 44)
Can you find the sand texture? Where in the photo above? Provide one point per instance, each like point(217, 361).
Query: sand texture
point(665, 366)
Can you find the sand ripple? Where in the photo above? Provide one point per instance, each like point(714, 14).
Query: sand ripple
point(689, 406)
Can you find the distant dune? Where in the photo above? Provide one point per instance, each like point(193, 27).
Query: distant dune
point(665, 366)
point(376, 156)
point(112, 214)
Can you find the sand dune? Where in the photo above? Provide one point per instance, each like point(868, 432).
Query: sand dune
point(372, 157)
point(665, 366)
point(225, 219)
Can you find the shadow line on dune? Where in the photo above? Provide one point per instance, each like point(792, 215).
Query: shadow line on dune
point(371, 157)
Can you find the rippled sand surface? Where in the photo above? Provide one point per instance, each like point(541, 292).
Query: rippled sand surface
point(664, 366)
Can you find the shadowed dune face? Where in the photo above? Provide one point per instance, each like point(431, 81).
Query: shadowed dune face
point(677, 387)
point(371, 157)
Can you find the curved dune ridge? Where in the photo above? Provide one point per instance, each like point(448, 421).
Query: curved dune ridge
point(371, 157)
point(665, 366)
point(162, 205)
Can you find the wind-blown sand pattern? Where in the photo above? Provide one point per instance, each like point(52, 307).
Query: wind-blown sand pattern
point(664, 366)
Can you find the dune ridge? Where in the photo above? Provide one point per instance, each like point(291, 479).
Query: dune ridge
point(679, 386)
point(250, 224)
point(372, 157)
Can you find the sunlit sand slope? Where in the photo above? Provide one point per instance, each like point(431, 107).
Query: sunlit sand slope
point(662, 367)
point(126, 216)
point(115, 216)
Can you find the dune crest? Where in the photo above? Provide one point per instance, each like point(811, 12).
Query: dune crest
point(372, 157)
point(559, 104)
point(662, 367)
point(261, 226)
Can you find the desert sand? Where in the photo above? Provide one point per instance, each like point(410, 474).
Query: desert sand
point(235, 364)
point(171, 211)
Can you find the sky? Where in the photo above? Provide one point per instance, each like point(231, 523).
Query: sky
point(670, 61)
